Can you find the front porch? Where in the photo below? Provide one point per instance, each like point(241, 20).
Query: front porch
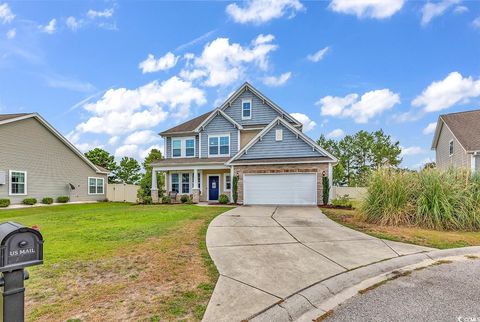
point(203, 182)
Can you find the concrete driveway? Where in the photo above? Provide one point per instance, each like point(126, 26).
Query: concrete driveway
point(266, 253)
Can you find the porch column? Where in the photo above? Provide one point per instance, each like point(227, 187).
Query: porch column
point(330, 182)
point(154, 190)
point(196, 189)
point(232, 173)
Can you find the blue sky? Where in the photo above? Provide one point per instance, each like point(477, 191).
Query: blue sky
point(113, 74)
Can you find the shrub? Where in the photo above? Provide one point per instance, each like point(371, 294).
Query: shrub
point(4, 202)
point(47, 201)
point(325, 190)
point(63, 199)
point(235, 189)
point(184, 198)
point(166, 199)
point(29, 201)
point(432, 199)
point(223, 199)
point(147, 200)
point(343, 201)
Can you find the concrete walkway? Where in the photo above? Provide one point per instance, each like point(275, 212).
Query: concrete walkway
point(264, 254)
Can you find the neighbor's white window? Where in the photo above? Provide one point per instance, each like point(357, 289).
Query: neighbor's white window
point(219, 145)
point(246, 109)
point(279, 135)
point(227, 184)
point(95, 186)
point(18, 182)
point(450, 148)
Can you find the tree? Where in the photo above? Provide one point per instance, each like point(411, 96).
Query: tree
point(129, 171)
point(146, 181)
point(104, 159)
point(359, 154)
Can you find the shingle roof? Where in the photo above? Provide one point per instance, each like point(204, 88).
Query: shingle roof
point(282, 160)
point(180, 161)
point(4, 117)
point(466, 128)
point(188, 126)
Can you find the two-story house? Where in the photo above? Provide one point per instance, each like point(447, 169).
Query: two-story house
point(251, 137)
point(457, 140)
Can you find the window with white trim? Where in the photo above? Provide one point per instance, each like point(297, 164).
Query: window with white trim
point(186, 183)
point(227, 182)
point(183, 147)
point(279, 135)
point(219, 145)
point(175, 183)
point(18, 182)
point(450, 148)
point(246, 109)
point(95, 186)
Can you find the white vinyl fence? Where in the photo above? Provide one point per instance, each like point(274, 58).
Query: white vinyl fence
point(122, 192)
point(352, 192)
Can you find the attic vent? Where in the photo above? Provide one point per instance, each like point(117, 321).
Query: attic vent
point(279, 135)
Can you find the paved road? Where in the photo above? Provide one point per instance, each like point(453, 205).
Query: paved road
point(448, 292)
point(264, 254)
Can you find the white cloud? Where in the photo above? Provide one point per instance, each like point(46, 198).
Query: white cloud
point(113, 140)
point(144, 152)
point(6, 14)
point(360, 110)
point(50, 27)
point(476, 22)
point(150, 65)
point(445, 93)
point(337, 133)
point(11, 33)
point(277, 80)
point(411, 150)
point(73, 23)
point(262, 11)
point(125, 110)
point(318, 56)
point(59, 81)
point(222, 62)
point(460, 9)
point(308, 124)
point(107, 13)
point(430, 128)
point(378, 9)
point(434, 9)
point(127, 150)
point(142, 137)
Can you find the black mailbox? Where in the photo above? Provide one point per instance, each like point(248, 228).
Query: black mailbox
point(20, 247)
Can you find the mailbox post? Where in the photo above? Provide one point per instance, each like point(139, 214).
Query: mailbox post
point(20, 247)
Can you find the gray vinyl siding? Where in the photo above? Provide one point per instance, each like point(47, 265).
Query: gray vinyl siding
point(459, 159)
point(168, 142)
point(50, 165)
point(290, 146)
point(261, 113)
point(219, 125)
point(477, 162)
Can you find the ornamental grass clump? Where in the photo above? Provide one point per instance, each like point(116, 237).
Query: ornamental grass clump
point(432, 198)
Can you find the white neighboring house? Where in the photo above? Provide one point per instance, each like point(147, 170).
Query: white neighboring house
point(457, 140)
point(36, 161)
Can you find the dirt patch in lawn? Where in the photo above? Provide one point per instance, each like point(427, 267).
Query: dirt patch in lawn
point(164, 278)
point(413, 235)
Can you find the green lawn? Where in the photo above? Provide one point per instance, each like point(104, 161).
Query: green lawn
point(119, 261)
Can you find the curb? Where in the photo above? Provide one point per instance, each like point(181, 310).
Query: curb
point(317, 299)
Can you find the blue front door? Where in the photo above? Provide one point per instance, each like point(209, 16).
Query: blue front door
point(213, 183)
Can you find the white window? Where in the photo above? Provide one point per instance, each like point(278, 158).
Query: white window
point(181, 182)
point(219, 145)
point(183, 147)
point(246, 109)
point(279, 135)
point(95, 186)
point(185, 182)
point(227, 182)
point(18, 182)
point(175, 183)
point(450, 148)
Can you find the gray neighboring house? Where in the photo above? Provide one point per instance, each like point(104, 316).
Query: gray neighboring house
point(251, 137)
point(36, 161)
point(457, 140)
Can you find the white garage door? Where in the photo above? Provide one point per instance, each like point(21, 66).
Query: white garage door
point(280, 189)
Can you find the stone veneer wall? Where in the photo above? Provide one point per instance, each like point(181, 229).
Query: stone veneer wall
point(240, 170)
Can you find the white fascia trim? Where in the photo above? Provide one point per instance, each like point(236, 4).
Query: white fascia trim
point(213, 115)
point(252, 89)
point(220, 166)
point(283, 162)
point(289, 126)
point(58, 135)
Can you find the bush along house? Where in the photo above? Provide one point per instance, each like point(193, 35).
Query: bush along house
point(251, 138)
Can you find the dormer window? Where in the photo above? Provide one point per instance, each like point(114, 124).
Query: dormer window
point(246, 109)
